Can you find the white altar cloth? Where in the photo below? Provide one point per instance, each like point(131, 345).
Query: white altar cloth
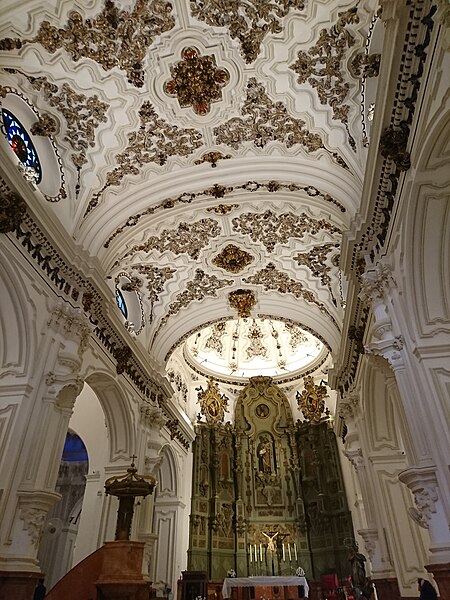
point(231, 582)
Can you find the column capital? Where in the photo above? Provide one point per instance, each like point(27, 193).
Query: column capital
point(349, 405)
point(356, 458)
point(71, 324)
point(423, 484)
point(390, 348)
point(375, 282)
point(152, 416)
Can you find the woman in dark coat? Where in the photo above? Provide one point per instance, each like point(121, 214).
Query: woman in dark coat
point(427, 591)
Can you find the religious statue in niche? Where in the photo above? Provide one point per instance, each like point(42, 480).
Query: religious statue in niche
point(264, 452)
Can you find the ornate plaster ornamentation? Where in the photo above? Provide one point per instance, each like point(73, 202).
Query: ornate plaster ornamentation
point(33, 522)
point(214, 341)
point(12, 209)
point(212, 158)
point(173, 425)
point(156, 279)
point(196, 81)
point(356, 335)
point(202, 286)
point(315, 260)
point(265, 121)
point(45, 126)
point(256, 347)
point(375, 281)
point(187, 238)
point(393, 142)
point(349, 406)
point(322, 67)
point(223, 209)
point(122, 355)
point(249, 22)
point(114, 38)
point(82, 114)
point(242, 301)
point(155, 141)
point(72, 324)
point(272, 279)
point(212, 403)
point(366, 65)
point(425, 500)
point(270, 229)
point(152, 416)
point(356, 458)
point(297, 336)
point(311, 401)
point(232, 259)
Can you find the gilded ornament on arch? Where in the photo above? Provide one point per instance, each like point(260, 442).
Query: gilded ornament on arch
point(222, 209)
point(212, 402)
point(212, 158)
point(196, 81)
point(232, 259)
point(243, 301)
point(311, 401)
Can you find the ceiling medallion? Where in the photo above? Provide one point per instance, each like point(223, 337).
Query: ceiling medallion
point(243, 301)
point(311, 401)
point(212, 402)
point(232, 259)
point(196, 81)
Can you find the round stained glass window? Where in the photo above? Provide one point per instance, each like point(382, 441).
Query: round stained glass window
point(21, 143)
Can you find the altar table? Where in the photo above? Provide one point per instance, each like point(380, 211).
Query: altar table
point(263, 581)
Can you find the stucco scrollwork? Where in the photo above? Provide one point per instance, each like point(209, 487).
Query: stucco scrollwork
point(33, 522)
point(355, 457)
point(152, 416)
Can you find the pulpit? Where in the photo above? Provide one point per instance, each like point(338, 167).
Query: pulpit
point(268, 588)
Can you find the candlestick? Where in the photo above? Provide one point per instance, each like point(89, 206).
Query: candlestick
point(260, 551)
point(295, 551)
point(289, 552)
point(284, 557)
point(250, 553)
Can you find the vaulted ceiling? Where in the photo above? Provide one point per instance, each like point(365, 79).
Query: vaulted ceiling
point(194, 149)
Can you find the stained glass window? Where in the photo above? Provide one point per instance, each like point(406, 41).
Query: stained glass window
point(21, 143)
point(121, 303)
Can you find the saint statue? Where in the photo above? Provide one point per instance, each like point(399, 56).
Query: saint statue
point(264, 451)
point(360, 582)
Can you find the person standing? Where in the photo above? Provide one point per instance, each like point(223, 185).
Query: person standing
point(40, 590)
point(427, 591)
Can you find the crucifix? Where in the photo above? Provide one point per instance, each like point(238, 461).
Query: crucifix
point(271, 546)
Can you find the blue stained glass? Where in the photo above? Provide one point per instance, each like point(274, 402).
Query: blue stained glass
point(21, 143)
point(121, 303)
point(74, 449)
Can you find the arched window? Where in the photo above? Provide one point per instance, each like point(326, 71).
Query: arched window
point(21, 143)
point(121, 303)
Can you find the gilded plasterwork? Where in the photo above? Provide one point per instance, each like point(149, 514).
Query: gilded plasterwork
point(265, 121)
point(187, 238)
point(273, 279)
point(271, 229)
point(232, 259)
point(256, 346)
point(202, 286)
point(322, 67)
point(214, 341)
point(247, 21)
point(242, 301)
point(83, 114)
point(315, 260)
point(196, 81)
point(297, 335)
point(311, 401)
point(366, 65)
point(156, 279)
point(155, 141)
point(114, 38)
point(212, 402)
point(223, 209)
point(212, 158)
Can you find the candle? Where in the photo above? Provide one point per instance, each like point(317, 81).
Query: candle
point(289, 552)
point(284, 557)
point(260, 551)
point(256, 554)
point(295, 551)
point(250, 553)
